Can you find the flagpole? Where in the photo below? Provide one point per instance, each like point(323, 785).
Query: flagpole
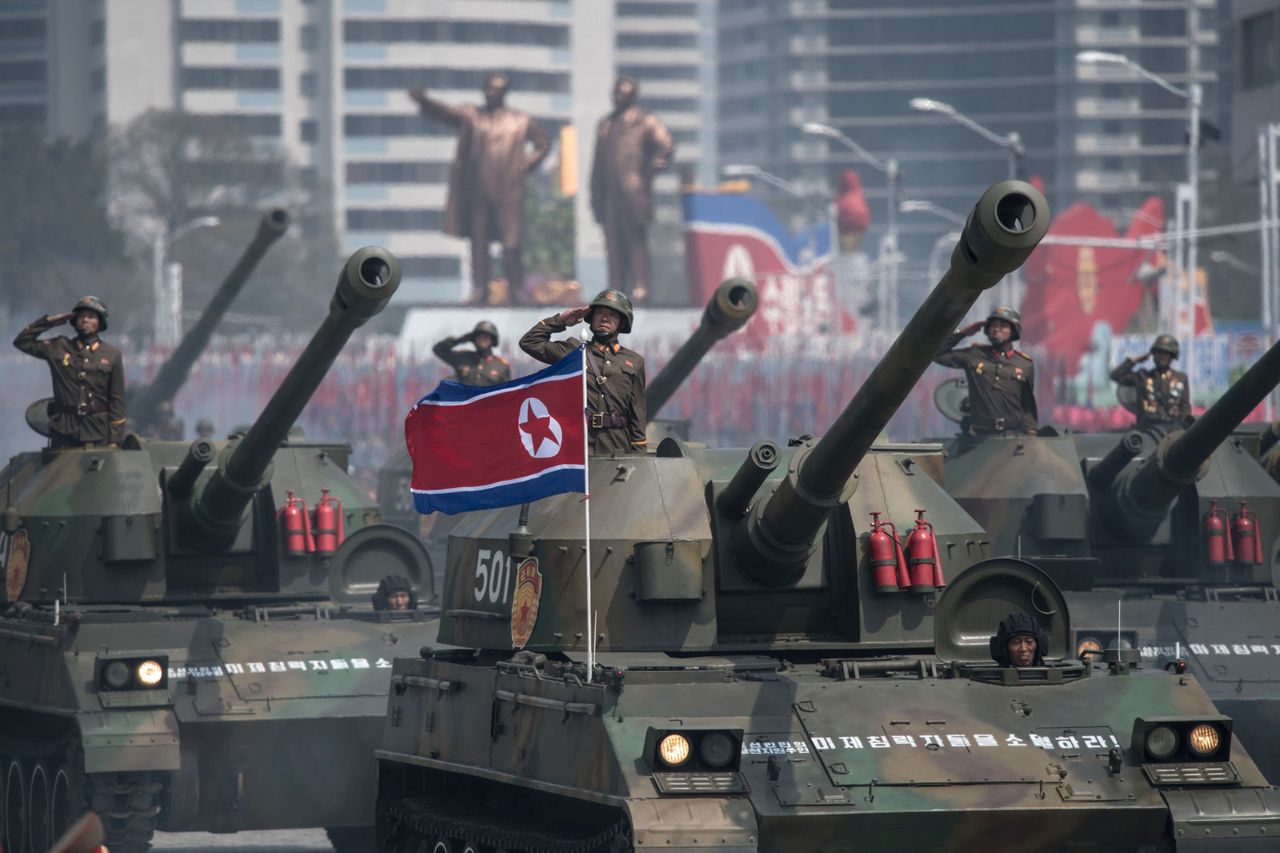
point(586, 512)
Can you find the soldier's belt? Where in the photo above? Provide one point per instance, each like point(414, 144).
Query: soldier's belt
point(91, 408)
point(602, 421)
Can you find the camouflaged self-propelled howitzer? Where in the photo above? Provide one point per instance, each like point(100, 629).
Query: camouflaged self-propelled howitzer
point(183, 645)
point(1180, 526)
point(757, 690)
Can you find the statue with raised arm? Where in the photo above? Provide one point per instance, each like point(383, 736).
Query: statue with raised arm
point(632, 145)
point(497, 147)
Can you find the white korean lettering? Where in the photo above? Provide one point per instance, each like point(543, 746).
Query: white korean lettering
point(298, 665)
point(276, 665)
point(256, 666)
point(235, 669)
point(823, 743)
point(1219, 649)
point(1042, 741)
point(1259, 649)
point(383, 663)
point(318, 665)
point(1199, 649)
point(359, 663)
point(1014, 740)
point(1240, 649)
point(850, 742)
point(338, 663)
point(986, 740)
point(904, 740)
point(878, 741)
point(931, 740)
point(1095, 742)
point(961, 741)
point(1068, 742)
point(802, 747)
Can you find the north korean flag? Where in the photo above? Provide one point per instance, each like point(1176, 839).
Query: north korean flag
point(479, 448)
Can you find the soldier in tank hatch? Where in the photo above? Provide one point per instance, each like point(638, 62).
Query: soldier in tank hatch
point(1019, 641)
point(1163, 393)
point(1001, 379)
point(88, 377)
point(395, 593)
point(478, 366)
point(615, 374)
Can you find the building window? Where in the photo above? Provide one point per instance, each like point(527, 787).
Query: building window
point(97, 32)
point(452, 78)
point(628, 9)
point(659, 72)
point(248, 123)
point(22, 28)
point(98, 79)
point(228, 30)
point(307, 130)
point(393, 219)
point(666, 41)
point(22, 72)
point(1258, 48)
point(308, 84)
point(14, 114)
point(430, 266)
point(397, 172)
point(231, 78)
point(458, 32)
point(309, 36)
point(669, 105)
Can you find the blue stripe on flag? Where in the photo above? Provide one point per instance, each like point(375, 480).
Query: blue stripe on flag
point(449, 391)
point(568, 478)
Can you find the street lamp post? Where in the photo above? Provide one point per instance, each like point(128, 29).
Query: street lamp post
point(167, 295)
point(887, 287)
point(1184, 316)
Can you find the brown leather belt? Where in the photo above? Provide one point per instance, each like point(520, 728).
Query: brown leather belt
point(603, 421)
point(93, 407)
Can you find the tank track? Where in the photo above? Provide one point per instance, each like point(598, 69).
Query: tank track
point(428, 818)
point(129, 806)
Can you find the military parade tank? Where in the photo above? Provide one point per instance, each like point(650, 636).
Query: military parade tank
point(187, 640)
point(1178, 526)
point(759, 669)
point(147, 403)
point(732, 304)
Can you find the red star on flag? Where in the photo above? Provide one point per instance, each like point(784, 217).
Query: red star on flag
point(538, 429)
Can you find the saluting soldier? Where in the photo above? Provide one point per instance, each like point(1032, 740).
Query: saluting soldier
point(479, 366)
point(615, 374)
point(1163, 393)
point(88, 377)
point(1001, 379)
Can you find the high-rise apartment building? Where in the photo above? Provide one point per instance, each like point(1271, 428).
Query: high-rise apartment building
point(326, 82)
point(1098, 133)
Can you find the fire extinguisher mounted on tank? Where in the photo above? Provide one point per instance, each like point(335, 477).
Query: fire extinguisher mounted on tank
point(1246, 537)
point(329, 524)
point(925, 566)
point(1217, 544)
point(295, 523)
point(888, 561)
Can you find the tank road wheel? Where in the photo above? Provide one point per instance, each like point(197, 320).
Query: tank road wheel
point(38, 825)
point(61, 798)
point(15, 808)
point(445, 845)
point(129, 805)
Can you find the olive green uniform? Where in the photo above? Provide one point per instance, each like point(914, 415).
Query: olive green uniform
point(88, 386)
point(1164, 395)
point(469, 366)
point(1001, 386)
point(615, 387)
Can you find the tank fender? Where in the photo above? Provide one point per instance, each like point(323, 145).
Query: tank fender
point(694, 823)
point(1213, 819)
point(123, 741)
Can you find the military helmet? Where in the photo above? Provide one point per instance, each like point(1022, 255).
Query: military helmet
point(618, 301)
point(1166, 343)
point(1013, 625)
point(93, 303)
point(487, 328)
point(1010, 316)
point(204, 426)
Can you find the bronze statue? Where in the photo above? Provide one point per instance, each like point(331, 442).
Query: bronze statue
point(486, 183)
point(632, 145)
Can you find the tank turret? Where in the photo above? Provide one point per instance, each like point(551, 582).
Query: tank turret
point(213, 514)
point(146, 402)
point(734, 303)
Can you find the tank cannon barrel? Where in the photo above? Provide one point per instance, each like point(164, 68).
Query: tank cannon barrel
point(213, 515)
point(775, 541)
point(732, 304)
point(173, 373)
point(1145, 493)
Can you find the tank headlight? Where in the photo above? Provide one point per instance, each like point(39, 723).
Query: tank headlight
point(1204, 739)
point(116, 675)
point(717, 749)
point(1088, 644)
point(674, 750)
point(150, 673)
point(1162, 742)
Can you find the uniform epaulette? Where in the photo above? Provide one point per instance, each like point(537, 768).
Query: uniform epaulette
point(1023, 354)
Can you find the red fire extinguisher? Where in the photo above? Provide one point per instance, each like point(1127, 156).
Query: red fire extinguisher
point(329, 528)
point(1248, 542)
point(888, 563)
point(297, 527)
point(922, 557)
point(1217, 543)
